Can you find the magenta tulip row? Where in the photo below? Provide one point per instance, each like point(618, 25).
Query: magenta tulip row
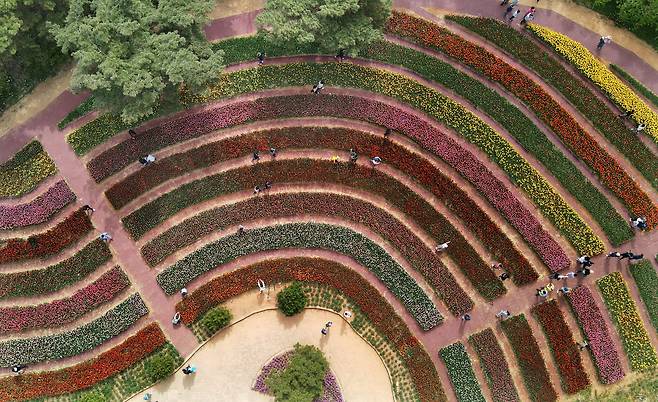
point(39, 210)
point(597, 333)
point(64, 311)
point(353, 107)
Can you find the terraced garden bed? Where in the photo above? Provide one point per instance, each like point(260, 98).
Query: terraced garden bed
point(39, 210)
point(461, 373)
point(494, 366)
point(23, 173)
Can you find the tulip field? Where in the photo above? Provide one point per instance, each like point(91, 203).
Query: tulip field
point(506, 146)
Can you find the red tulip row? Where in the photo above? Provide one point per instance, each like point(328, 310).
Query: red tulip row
point(604, 165)
point(564, 348)
point(49, 243)
point(366, 144)
point(86, 374)
point(332, 274)
point(494, 365)
point(528, 356)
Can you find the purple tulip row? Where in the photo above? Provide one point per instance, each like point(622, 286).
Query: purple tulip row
point(39, 210)
point(353, 107)
point(64, 311)
point(597, 333)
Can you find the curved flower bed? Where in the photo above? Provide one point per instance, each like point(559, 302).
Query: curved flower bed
point(630, 327)
point(419, 256)
point(597, 334)
point(306, 235)
point(56, 239)
point(55, 277)
point(86, 374)
point(646, 281)
point(596, 71)
point(563, 346)
point(332, 274)
point(427, 100)
point(378, 113)
point(39, 210)
point(528, 355)
point(610, 173)
point(397, 156)
point(74, 342)
point(23, 173)
point(461, 373)
point(304, 171)
point(64, 311)
point(331, 392)
point(494, 366)
point(571, 86)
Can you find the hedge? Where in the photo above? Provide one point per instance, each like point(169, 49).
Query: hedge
point(571, 86)
point(329, 273)
point(82, 109)
point(637, 344)
point(306, 235)
point(23, 173)
point(646, 281)
point(55, 277)
point(461, 373)
point(76, 341)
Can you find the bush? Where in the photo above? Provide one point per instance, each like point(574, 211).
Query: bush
point(303, 379)
point(216, 319)
point(92, 397)
point(292, 299)
point(159, 367)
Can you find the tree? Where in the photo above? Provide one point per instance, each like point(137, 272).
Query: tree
point(133, 54)
point(292, 299)
point(303, 379)
point(329, 24)
point(23, 23)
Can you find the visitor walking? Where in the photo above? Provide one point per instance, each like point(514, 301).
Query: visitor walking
point(268, 185)
point(627, 114)
point(504, 276)
point(176, 319)
point(604, 40)
point(613, 254)
point(147, 160)
point(376, 160)
point(585, 261)
point(564, 290)
point(18, 369)
point(132, 134)
point(335, 159)
point(255, 156)
point(527, 18)
point(530, 11)
point(640, 127)
point(583, 345)
point(628, 254)
point(442, 246)
point(261, 58)
point(514, 14)
point(347, 314)
point(584, 272)
point(256, 190)
point(273, 152)
point(317, 88)
point(497, 265)
point(240, 230)
point(88, 209)
point(387, 133)
point(636, 257)
point(542, 292)
point(557, 276)
point(508, 10)
point(261, 286)
point(341, 55)
point(183, 293)
point(503, 314)
point(105, 237)
point(466, 317)
point(353, 155)
point(640, 223)
point(189, 370)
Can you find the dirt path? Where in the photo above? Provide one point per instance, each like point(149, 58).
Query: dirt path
point(229, 363)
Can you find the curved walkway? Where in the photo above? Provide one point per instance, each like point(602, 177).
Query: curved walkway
point(229, 363)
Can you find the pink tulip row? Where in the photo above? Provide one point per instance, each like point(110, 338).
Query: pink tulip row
point(39, 210)
point(63, 311)
point(354, 107)
point(597, 333)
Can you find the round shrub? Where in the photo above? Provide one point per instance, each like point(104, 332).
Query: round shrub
point(159, 367)
point(216, 319)
point(303, 379)
point(292, 299)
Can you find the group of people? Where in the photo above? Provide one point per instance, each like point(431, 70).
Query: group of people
point(512, 7)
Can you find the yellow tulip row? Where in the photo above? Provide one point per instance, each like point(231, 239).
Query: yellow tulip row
point(592, 68)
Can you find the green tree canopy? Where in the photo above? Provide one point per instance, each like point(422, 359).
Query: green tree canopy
point(303, 379)
point(329, 24)
point(132, 54)
point(23, 22)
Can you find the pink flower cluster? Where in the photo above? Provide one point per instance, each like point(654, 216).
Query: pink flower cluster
point(39, 210)
point(63, 311)
point(212, 118)
point(593, 325)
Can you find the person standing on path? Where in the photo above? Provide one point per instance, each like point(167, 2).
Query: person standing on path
point(564, 290)
point(628, 254)
point(640, 127)
point(376, 160)
point(514, 14)
point(273, 152)
point(508, 10)
point(604, 40)
point(132, 134)
point(613, 254)
point(261, 58)
point(466, 317)
point(527, 18)
point(503, 314)
point(255, 156)
point(640, 223)
point(504, 276)
point(584, 272)
point(442, 246)
point(105, 237)
point(88, 209)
